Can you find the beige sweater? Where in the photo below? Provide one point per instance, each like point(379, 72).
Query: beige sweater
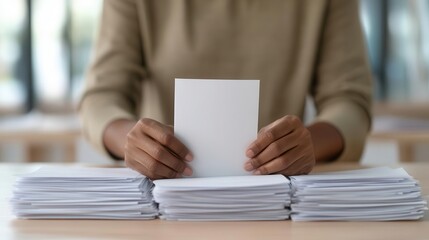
point(296, 48)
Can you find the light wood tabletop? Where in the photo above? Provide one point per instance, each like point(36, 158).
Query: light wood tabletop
point(406, 132)
point(36, 132)
point(12, 228)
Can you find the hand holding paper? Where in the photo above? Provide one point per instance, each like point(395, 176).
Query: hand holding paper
point(153, 150)
point(284, 147)
point(217, 120)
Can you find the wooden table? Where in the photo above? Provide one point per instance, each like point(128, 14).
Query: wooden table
point(407, 133)
point(405, 140)
point(38, 132)
point(12, 228)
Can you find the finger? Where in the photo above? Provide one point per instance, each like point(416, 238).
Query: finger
point(159, 153)
point(273, 150)
point(305, 169)
point(170, 129)
point(166, 137)
point(157, 167)
point(154, 167)
point(135, 165)
point(271, 133)
point(275, 166)
point(302, 166)
point(285, 161)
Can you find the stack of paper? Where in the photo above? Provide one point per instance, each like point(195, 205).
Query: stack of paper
point(378, 194)
point(224, 198)
point(83, 193)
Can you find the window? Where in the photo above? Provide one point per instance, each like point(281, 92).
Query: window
point(62, 49)
point(398, 43)
point(45, 48)
point(12, 56)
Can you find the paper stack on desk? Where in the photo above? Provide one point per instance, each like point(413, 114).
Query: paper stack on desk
point(378, 194)
point(224, 198)
point(83, 193)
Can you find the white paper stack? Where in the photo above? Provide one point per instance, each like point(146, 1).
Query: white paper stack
point(83, 193)
point(378, 194)
point(224, 198)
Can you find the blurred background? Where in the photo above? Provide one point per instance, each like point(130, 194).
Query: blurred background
point(46, 46)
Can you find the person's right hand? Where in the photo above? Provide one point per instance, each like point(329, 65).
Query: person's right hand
point(152, 149)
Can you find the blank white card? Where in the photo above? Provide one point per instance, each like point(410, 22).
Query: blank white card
point(216, 120)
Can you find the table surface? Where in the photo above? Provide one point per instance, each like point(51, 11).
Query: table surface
point(37, 127)
point(12, 228)
point(400, 129)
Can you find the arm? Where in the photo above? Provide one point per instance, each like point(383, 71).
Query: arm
point(325, 151)
point(115, 136)
point(342, 92)
point(115, 77)
point(113, 92)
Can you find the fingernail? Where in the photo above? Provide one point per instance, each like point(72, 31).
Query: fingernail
point(189, 157)
point(248, 166)
point(187, 171)
point(257, 172)
point(250, 153)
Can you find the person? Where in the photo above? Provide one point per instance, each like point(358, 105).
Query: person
point(295, 48)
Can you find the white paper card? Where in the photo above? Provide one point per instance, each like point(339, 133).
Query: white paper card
point(223, 182)
point(216, 120)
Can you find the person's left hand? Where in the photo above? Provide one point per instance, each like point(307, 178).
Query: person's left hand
point(285, 146)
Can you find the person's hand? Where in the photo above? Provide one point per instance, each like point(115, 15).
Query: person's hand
point(285, 146)
point(152, 149)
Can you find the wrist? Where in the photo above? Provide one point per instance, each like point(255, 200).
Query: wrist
point(115, 136)
point(328, 142)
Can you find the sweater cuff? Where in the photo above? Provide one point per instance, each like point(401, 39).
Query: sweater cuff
point(353, 123)
point(96, 115)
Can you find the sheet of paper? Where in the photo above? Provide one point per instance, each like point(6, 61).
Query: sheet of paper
point(222, 182)
point(381, 173)
point(64, 172)
point(216, 120)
